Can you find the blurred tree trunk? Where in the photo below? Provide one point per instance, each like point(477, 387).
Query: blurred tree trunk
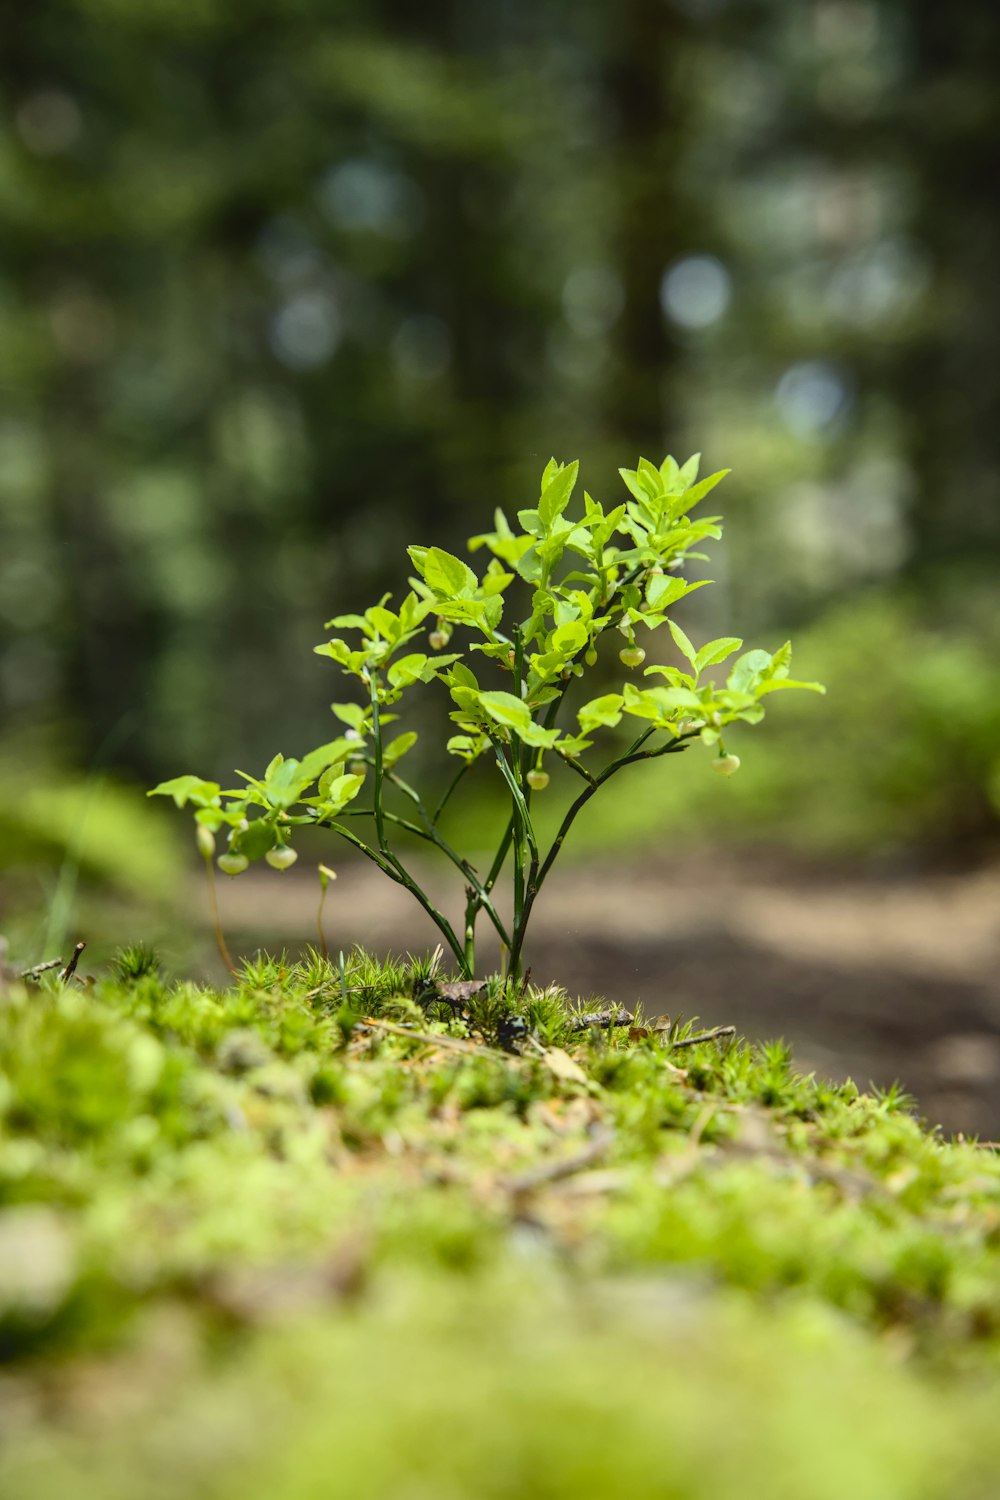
point(650, 226)
point(949, 380)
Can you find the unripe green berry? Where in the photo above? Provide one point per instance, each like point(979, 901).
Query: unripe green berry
point(726, 765)
point(232, 864)
point(437, 640)
point(205, 839)
point(537, 780)
point(281, 858)
point(632, 656)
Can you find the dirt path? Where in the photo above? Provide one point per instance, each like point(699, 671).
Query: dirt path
point(877, 978)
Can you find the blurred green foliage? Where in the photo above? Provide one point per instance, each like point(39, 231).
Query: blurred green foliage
point(906, 752)
point(282, 282)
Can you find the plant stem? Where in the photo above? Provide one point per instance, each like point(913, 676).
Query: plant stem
point(213, 907)
point(503, 849)
point(540, 870)
point(391, 866)
point(377, 797)
point(450, 788)
point(430, 832)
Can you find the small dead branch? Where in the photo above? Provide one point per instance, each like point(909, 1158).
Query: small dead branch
point(568, 1166)
point(705, 1036)
point(38, 970)
point(617, 1015)
point(70, 968)
point(458, 1043)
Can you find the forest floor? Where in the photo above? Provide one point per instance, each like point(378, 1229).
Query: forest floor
point(325, 1232)
point(880, 976)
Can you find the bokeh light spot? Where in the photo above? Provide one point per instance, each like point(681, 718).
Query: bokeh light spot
point(696, 291)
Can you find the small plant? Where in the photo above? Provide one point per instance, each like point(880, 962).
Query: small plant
point(607, 570)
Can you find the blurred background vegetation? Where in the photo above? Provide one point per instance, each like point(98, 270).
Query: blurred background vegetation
point(289, 284)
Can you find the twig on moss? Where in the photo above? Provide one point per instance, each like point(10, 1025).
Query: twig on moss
point(617, 1015)
point(705, 1036)
point(70, 968)
point(567, 1166)
point(460, 1044)
point(39, 969)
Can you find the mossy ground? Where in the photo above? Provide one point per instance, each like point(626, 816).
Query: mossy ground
point(307, 1236)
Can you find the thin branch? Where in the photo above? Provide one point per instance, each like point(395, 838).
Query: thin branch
point(428, 1038)
point(40, 969)
point(704, 1036)
point(521, 807)
point(70, 968)
point(567, 1166)
point(377, 797)
point(452, 785)
point(633, 754)
point(430, 833)
point(503, 850)
point(391, 866)
point(213, 907)
point(574, 765)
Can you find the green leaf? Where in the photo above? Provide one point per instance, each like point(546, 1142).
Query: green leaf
point(506, 709)
point(748, 670)
point(398, 747)
point(407, 669)
point(670, 473)
point(556, 492)
point(460, 676)
point(445, 574)
point(384, 621)
point(776, 684)
point(650, 478)
point(529, 565)
point(284, 785)
point(348, 622)
point(325, 755)
point(684, 646)
point(664, 589)
point(255, 840)
point(185, 789)
point(352, 714)
point(343, 789)
point(781, 661)
point(715, 651)
point(606, 710)
point(631, 479)
point(568, 638)
point(466, 745)
point(699, 491)
point(688, 472)
point(513, 713)
point(674, 675)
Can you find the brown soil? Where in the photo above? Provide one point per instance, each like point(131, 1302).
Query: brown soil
point(878, 978)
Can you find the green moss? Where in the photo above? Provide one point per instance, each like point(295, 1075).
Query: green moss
point(604, 1256)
